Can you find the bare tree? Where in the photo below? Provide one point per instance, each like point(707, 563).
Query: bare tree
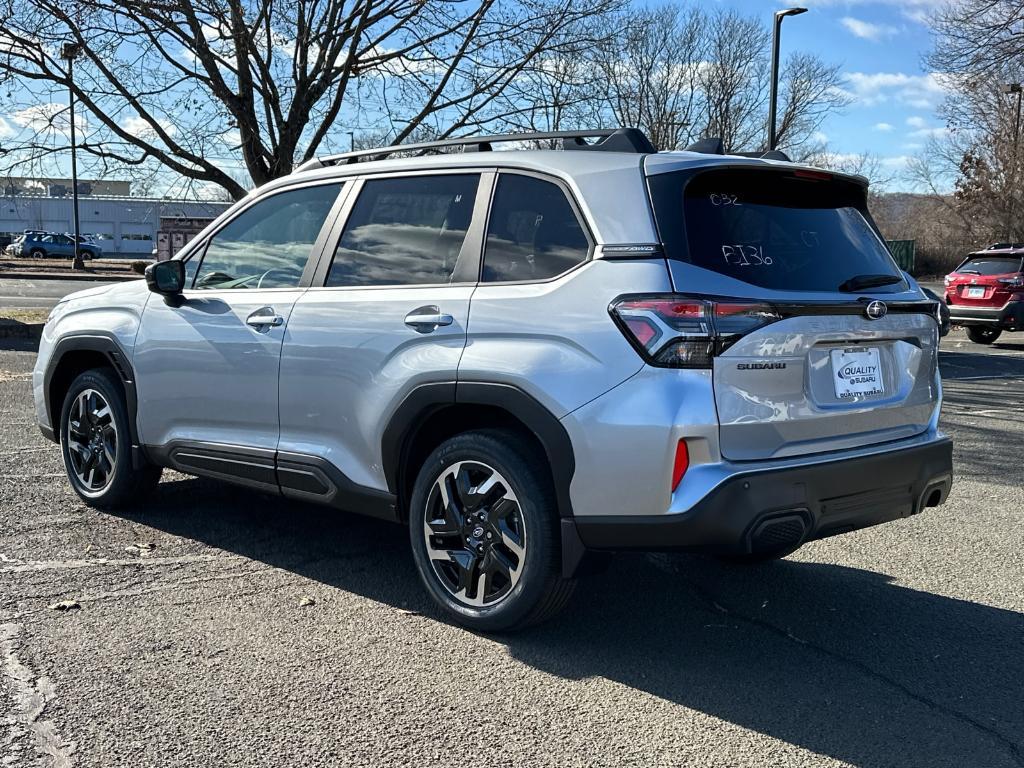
point(558, 92)
point(682, 74)
point(866, 164)
point(978, 37)
point(650, 66)
point(186, 83)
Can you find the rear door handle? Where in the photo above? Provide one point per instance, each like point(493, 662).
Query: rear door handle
point(264, 317)
point(427, 319)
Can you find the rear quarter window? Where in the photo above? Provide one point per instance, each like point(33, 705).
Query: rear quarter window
point(783, 230)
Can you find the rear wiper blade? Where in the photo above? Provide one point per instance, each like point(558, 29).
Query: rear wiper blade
point(968, 272)
point(860, 282)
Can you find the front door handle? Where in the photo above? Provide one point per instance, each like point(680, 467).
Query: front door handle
point(264, 317)
point(427, 319)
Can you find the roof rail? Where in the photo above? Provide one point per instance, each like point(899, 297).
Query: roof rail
point(612, 140)
point(1004, 246)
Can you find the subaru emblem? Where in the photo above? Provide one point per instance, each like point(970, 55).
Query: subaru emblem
point(876, 310)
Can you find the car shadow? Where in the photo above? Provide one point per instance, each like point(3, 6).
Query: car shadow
point(841, 661)
point(971, 365)
point(18, 344)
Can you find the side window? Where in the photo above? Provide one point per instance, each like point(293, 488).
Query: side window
point(405, 231)
point(533, 232)
point(267, 245)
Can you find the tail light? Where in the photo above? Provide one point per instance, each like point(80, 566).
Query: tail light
point(1011, 282)
point(674, 331)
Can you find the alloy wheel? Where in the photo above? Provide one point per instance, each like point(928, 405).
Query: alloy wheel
point(92, 441)
point(475, 533)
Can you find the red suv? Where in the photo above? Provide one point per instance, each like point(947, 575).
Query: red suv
point(986, 292)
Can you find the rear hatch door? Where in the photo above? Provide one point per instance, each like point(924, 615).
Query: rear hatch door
point(823, 373)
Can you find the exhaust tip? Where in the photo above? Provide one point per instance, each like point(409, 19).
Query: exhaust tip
point(778, 533)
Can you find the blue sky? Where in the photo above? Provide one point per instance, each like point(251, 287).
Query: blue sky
point(880, 45)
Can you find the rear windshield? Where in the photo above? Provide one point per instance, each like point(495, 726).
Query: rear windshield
point(990, 265)
point(782, 230)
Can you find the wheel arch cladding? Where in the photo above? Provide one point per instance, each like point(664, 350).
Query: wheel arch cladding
point(77, 353)
point(431, 413)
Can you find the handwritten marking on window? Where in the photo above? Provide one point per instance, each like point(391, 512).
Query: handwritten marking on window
point(745, 256)
point(722, 198)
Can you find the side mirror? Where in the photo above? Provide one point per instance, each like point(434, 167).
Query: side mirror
point(166, 277)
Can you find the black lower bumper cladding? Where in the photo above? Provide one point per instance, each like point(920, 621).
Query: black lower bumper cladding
point(1010, 317)
point(763, 511)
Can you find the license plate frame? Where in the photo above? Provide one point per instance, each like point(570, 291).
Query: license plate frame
point(975, 292)
point(857, 372)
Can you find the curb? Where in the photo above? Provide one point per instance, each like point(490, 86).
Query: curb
point(84, 277)
point(31, 331)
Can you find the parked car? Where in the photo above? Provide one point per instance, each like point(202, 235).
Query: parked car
point(985, 294)
point(525, 356)
point(44, 245)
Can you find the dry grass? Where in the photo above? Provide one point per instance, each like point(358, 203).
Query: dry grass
point(23, 315)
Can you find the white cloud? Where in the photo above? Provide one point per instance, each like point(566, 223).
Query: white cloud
point(925, 133)
point(918, 15)
point(917, 11)
point(895, 161)
point(820, 136)
point(5, 129)
point(49, 116)
point(883, 127)
point(143, 129)
point(918, 91)
point(866, 30)
point(916, 121)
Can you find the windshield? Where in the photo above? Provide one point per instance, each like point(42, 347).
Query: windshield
point(990, 265)
point(784, 230)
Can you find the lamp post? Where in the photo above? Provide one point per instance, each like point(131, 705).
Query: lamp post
point(70, 52)
point(1014, 88)
point(773, 98)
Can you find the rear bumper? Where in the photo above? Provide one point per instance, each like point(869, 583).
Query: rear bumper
point(768, 510)
point(1009, 316)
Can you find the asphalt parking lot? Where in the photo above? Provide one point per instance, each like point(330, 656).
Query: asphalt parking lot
point(219, 627)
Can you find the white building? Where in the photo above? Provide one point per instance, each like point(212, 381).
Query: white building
point(123, 226)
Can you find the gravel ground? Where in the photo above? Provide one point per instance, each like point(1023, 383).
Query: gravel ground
point(191, 645)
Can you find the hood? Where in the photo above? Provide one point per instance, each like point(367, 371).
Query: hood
point(112, 292)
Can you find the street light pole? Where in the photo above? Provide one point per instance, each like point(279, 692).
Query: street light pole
point(70, 51)
point(773, 97)
point(1017, 89)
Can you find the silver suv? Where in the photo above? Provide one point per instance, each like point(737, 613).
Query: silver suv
point(526, 356)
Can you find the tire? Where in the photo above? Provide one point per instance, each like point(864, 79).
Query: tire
point(37, 253)
point(87, 255)
point(519, 588)
point(983, 334)
point(95, 441)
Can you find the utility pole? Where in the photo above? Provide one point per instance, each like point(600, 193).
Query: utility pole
point(1014, 88)
point(773, 97)
point(70, 52)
